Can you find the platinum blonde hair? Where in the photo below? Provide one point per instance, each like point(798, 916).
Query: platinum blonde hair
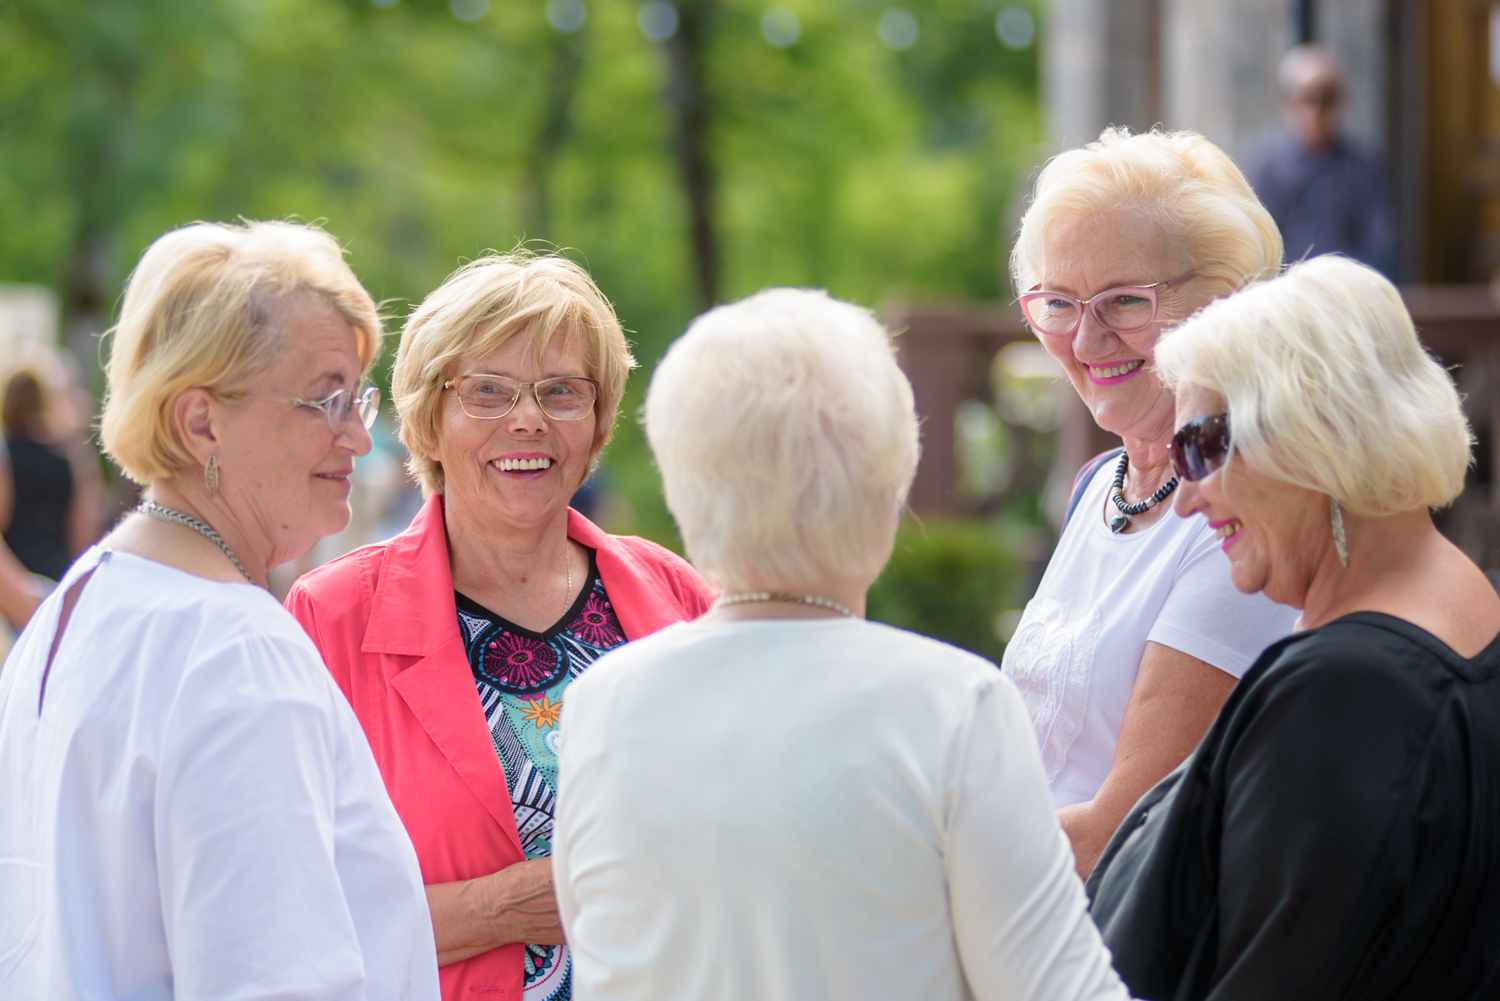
point(1328, 387)
point(477, 310)
point(786, 436)
point(1181, 179)
point(201, 310)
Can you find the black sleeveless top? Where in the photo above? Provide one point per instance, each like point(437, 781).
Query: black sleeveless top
point(1335, 835)
point(44, 488)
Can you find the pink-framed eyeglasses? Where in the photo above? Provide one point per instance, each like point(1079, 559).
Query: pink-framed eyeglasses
point(1123, 310)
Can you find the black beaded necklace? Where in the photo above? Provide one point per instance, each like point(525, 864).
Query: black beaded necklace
point(1129, 510)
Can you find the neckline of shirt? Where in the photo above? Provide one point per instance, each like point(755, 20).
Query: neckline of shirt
point(462, 600)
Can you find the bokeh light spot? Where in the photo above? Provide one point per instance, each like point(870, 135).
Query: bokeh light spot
point(1016, 28)
point(566, 15)
point(781, 27)
point(385, 3)
point(468, 10)
point(658, 20)
point(898, 29)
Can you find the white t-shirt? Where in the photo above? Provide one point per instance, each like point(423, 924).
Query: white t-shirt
point(1078, 646)
point(189, 809)
point(812, 809)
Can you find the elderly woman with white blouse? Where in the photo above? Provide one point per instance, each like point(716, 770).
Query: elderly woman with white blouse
point(1135, 635)
point(781, 799)
point(187, 805)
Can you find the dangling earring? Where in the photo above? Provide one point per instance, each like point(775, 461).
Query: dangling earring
point(1339, 542)
point(211, 475)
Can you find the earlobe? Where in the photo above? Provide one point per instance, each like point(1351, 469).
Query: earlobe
point(194, 415)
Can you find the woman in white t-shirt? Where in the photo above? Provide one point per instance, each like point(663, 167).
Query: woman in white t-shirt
point(188, 807)
point(1135, 636)
point(780, 799)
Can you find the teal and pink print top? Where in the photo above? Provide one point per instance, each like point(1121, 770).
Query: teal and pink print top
point(522, 677)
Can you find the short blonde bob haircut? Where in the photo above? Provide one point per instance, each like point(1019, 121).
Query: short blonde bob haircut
point(1328, 387)
point(476, 311)
point(786, 437)
point(201, 311)
point(1181, 179)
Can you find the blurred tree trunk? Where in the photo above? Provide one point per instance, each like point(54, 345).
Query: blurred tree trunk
point(565, 64)
point(687, 95)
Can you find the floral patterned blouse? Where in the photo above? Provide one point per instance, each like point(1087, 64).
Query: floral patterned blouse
point(522, 677)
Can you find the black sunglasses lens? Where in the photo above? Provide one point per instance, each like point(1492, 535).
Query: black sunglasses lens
point(1200, 447)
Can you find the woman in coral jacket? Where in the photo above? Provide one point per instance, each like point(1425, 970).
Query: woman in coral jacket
point(456, 640)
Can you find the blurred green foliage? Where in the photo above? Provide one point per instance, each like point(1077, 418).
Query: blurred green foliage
point(421, 140)
point(950, 579)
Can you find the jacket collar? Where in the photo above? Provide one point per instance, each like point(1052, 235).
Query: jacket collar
point(412, 608)
point(412, 611)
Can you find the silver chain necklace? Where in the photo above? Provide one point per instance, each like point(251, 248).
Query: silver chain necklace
point(151, 509)
point(748, 597)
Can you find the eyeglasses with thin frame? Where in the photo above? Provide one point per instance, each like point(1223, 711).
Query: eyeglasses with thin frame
point(487, 397)
point(1122, 310)
point(339, 405)
point(1200, 447)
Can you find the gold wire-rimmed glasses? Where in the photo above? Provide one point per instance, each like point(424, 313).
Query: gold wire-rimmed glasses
point(489, 397)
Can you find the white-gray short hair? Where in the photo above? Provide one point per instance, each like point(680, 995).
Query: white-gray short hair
point(786, 436)
point(1328, 387)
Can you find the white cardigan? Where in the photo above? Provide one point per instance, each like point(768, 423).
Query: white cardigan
point(812, 809)
point(191, 810)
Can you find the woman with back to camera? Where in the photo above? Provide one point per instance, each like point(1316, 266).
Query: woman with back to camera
point(780, 799)
point(1135, 634)
point(1337, 833)
point(187, 806)
point(458, 640)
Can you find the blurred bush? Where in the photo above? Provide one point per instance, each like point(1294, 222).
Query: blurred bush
point(949, 579)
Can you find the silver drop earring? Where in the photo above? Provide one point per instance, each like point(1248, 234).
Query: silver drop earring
point(211, 475)
point(1339, 542)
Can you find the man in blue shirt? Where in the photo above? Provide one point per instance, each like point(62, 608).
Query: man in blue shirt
point(1325, 195)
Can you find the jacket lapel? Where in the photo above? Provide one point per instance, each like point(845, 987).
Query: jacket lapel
point(643, 600)
point(412, 613)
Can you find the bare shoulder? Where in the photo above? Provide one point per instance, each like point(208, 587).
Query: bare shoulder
point(1449, 597)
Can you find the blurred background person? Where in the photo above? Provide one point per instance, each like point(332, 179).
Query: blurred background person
point(1135, 635)
point(55, 487)
point(1326, 195)
point(782, 800)
point(19, 590)
point(187, 805)
point(1337, 833)
point(458, 640)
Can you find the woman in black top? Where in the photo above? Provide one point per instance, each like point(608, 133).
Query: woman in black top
point(54, 517)
point(1337, 833)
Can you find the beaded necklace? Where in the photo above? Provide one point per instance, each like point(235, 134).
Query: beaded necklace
point(1117, 494)
point(748, 597)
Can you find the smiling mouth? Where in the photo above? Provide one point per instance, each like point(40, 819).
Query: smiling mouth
point(1227, 529)
point(521, 465)
point(1100, 372)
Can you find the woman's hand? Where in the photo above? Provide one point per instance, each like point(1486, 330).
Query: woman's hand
point(473, 916)
point(1175, 699)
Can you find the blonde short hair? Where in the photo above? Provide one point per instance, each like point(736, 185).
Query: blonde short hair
point(1184, 181)
point(1328, 387)
point(477, 310)
point(200, 311)
point(786, 437)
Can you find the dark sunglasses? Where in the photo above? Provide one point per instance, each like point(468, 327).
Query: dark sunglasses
point(1199, 447)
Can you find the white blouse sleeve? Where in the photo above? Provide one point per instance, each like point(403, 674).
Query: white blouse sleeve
point(245, 814)
point(1206, 617)
point(1019, 911)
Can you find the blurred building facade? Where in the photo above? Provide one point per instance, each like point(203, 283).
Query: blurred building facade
point(1424, 96)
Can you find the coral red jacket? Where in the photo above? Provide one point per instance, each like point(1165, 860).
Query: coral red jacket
point(383, 617)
